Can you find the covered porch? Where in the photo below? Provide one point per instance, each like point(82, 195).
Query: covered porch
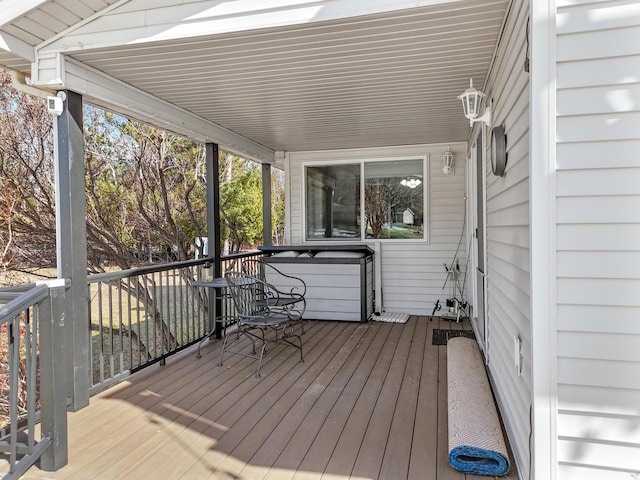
point(285, 84)
point(353, 410)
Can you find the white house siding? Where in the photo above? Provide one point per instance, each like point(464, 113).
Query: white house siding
point(508, 239)
point(598, 239)
point(413, 272)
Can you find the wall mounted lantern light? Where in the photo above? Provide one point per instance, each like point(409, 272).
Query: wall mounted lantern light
point(411, 182)
point(447, 162)
point(471, 99)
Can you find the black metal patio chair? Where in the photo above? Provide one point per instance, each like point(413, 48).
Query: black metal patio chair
point(289, 294)
point(257, 321)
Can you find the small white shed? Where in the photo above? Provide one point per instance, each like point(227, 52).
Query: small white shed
point(408, 216)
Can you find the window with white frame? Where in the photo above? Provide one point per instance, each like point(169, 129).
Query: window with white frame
point(391, 191)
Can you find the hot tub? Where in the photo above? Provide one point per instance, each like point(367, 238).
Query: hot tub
point(339, 279)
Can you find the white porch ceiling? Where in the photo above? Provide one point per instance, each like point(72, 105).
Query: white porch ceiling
point(382, 79)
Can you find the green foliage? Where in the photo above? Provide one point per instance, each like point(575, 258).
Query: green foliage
point(277, 207)
point(241, 203)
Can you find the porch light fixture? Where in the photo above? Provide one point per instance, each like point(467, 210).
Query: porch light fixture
point(447, 162)
point(410, 182)
point(471, 99)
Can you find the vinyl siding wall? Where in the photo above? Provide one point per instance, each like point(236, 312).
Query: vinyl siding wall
point(413, 272)
point(598, 239)
point(508, 238)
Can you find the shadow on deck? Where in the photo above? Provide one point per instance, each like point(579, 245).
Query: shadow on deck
point(368, 403)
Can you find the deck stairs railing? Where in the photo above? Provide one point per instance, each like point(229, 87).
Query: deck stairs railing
point(33, 378)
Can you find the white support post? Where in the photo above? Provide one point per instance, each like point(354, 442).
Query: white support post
point(542, 204)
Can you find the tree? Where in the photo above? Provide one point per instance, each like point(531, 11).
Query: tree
point(145, 197)
point(140, 198)
point(376, 200)
point(277, 207)
point(241, 203)
point(146, 191)
point(382, 197)
point(27, 183)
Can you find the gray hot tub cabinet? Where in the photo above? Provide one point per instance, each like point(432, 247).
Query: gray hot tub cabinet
point(339, 279)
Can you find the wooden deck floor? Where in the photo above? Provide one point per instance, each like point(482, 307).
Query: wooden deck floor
point(370, 402)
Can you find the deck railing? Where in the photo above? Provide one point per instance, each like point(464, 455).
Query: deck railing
point(141, 316)
point(32, 378)
point(137, 318)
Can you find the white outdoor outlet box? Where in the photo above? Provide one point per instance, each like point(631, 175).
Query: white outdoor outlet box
point(55, 105)
point(517, 353)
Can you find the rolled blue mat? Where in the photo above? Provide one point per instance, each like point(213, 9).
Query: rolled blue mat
point(476, 443)
point(479, 461)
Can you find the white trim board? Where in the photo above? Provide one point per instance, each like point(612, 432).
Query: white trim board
point(146, 21)
point(542, 142)
point(105, 91)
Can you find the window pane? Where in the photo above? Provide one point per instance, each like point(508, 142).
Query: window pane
point(333, 201)
point(394, 199)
